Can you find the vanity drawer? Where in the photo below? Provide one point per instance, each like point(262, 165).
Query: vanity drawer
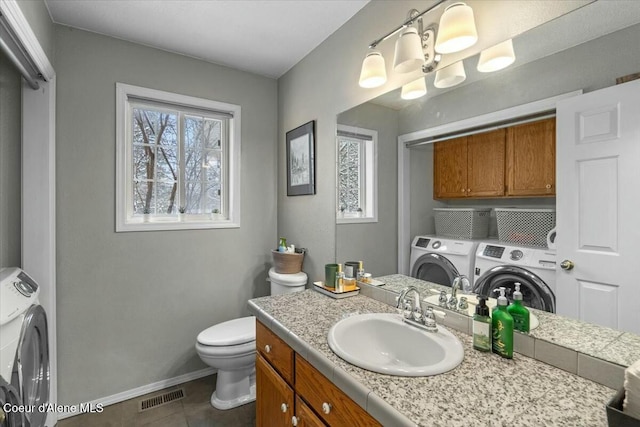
point(322, 396)
point(275, 351)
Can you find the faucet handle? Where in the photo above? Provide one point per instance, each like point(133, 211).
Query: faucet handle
point(442, 300)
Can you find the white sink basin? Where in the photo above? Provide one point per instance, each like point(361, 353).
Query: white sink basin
point(473, 301)
point(382, 342)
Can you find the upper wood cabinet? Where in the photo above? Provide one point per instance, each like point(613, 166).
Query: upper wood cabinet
point(470, 166)
point(518, 161)
point(531, 159)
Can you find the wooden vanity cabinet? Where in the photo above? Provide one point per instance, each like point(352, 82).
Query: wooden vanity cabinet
point(518, 161)
point(470, 166)
point(306, 399)
point(531, 159)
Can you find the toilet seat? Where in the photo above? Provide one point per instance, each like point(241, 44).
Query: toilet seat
point(230, 333)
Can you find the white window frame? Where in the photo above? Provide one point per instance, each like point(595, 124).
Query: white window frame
point(370, 177)
point(126, 96)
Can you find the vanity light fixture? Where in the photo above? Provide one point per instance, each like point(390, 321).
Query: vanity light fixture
point(450, 76)
point(417, 47)
point(415, 89)
point(373, 72)
point(457, 29)
point(496, 57)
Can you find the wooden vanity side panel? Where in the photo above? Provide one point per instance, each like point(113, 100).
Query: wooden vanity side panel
point(280, 355)
point(531, 159)
point(450, 169)
point(485, 164)
point(316, 389)
point(271, 393)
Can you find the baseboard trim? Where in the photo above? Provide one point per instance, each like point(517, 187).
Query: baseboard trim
point(140, 391)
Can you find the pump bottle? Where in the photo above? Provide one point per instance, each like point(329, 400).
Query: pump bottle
point(482, 327)
point(502, 327)
point(518, 311)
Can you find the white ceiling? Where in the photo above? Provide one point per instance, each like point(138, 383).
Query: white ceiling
point(265, 37)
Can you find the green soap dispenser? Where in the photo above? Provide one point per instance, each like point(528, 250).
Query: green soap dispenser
point(502, 327)
point(518, 311)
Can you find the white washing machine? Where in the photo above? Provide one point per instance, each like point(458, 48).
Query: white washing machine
point(500, 264)
point(24, 349)
point(440, 259)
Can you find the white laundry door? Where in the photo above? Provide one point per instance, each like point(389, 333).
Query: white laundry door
point(598, 207)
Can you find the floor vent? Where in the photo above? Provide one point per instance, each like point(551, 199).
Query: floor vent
point(162, 399)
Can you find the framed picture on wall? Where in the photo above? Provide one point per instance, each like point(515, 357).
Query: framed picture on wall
point(301, 157)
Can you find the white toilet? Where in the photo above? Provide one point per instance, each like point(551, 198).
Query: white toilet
point(230, 347)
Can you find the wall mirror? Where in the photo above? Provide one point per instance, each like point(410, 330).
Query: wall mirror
point(585, 49)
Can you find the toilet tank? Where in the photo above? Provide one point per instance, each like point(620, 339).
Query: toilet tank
point(287, 283)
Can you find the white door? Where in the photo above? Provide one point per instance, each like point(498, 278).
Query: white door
point(598, 207)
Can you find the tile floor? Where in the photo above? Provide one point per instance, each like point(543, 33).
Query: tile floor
point(194, 410)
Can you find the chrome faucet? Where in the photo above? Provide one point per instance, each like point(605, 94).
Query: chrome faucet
point(413, 314)
point(459, 283)
point(410, 310)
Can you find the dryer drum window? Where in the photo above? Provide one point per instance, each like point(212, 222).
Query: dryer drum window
point(31, 371)
point(434, 268)
point(535, 292)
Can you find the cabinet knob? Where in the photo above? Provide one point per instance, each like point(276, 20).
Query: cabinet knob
point(326, 408)
point(463, 190)
point(468, 190)
point(267, 348)
point(294, 421)
point(548, 186)
point(284, 407)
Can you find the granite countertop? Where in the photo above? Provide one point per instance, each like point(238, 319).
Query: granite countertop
point(484, 390)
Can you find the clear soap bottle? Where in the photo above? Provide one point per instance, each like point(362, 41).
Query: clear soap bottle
point(482, 327)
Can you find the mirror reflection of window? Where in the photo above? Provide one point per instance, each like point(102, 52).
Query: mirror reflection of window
point(356, 174)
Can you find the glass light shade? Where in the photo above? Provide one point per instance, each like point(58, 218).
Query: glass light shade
point(497, 57)
point(457, 29)
point(408, 55)
point(450, 76)
point(415, 89)
point(373, 73)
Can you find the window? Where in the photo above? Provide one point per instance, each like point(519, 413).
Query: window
point(357, 175)
point(178, 161)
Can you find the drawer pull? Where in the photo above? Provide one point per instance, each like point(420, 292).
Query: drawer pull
point(284, 407)
point(326, 408)
point(294, 421)
point(267, 348)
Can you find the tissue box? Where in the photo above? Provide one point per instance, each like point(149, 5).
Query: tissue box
point(616, 417)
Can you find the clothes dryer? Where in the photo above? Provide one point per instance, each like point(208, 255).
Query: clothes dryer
point(440, 259)
point(499, 264)
point(24, 348)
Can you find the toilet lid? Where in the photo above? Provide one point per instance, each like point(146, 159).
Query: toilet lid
point(294, 279)
point(231, 332)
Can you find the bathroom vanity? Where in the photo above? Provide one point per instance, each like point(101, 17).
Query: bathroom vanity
point(294, 357)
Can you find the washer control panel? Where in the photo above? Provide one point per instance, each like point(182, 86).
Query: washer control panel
point(18, 292)
point(493, 251)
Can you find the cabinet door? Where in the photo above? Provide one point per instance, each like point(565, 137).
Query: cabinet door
point(305, 417)
point(531, 159)
point(332, 404)
point(274, 398)
point(485, 164)
point(450, 168)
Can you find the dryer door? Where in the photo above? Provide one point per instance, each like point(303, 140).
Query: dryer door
point(30, 374)
point(9, 396)
point(434, 268)
point(535, 292)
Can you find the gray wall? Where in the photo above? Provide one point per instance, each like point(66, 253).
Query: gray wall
point(130, 305)
point(379, 259)
point(10, 167)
